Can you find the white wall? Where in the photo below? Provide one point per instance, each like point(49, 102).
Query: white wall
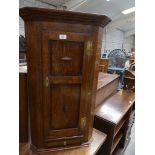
point(30, 3)
point(118, 34)
point(113, 38)
point(128, 43)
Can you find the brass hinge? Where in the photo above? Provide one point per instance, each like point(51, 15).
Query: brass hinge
point(89, 47)
point(83, 122)
point(46, 81)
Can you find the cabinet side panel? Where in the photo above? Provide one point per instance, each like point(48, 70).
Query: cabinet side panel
point(97, 38)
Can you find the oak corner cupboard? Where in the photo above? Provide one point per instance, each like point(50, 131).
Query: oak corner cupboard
point(63, 50)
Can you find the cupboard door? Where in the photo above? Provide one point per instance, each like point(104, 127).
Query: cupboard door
point(63, 102)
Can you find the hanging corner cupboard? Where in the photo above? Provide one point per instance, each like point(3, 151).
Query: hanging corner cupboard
point(63, 50)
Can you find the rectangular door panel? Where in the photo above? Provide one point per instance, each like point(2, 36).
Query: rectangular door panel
point(66, 57)
point(65, 102)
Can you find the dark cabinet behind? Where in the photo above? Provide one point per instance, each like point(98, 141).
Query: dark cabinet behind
point(23, 108)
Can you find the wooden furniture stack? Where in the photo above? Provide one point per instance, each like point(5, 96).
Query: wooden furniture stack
point(112, 114)
point(63, 51)
point(112, 117)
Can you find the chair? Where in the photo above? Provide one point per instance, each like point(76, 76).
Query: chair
point(117, 59)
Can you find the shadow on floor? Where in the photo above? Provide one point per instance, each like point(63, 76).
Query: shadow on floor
point(130, 150)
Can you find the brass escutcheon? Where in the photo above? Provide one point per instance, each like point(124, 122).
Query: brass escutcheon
point(83, 122)
point(65, 143)
point(89, 93)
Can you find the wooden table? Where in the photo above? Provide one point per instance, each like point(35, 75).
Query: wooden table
point(98, 138)
point(112, 117)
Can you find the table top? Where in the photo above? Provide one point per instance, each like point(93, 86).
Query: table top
point(105, 78)
point(98, 138)
point(116, 106)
